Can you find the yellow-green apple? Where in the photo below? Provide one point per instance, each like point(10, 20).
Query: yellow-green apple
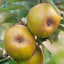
point(37, 58)
point(19, 43)
point(43, 20)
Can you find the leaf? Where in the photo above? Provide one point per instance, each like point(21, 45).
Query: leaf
point(4, 17)
point(6, 63)
point(54, 37)
point(14, 7)
point(1, 31)
point(61, 3)
point(44, 1)
point(1, 43)
point(12, 62)
point(12, 20)
point(61, 7)
point(5, 6)
point(2, 9)
point(46, 53)
point(11, 1)
point(62, 21)
point(25, 3)
point(61, 27)
point(57, 58)
point(4, 60)
point(21, 13)
point(57, 1)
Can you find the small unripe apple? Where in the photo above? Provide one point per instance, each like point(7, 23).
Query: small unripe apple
point(19, 43)
point(37, 58)
point(43, 20)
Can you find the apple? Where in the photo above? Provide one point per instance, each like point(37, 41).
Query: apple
point(19, 43)
point(43, 20)
point(37, 58)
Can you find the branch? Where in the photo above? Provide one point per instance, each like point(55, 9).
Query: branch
point(40, 1)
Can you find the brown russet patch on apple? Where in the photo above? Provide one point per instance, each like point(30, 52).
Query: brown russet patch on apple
point(49, 22)
point(19, 39)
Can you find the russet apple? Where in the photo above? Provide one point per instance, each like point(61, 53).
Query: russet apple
point(43, 20)
point(37, 58)
point(19, 43)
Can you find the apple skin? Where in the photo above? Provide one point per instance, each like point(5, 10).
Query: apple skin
point(37, 58)
point(43, 20)
point(19, 43)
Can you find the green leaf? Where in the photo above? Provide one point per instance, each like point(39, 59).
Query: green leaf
point(54, 37)
point(1, 31)
point(57, 58)
point(11, 1)
point(1, 43)
point(25, 3)
point(6, 63)
point(43, 1)
point(61, 7)
point(62, 21)
point(2, 9)
point(4, 17)
point(61, 3)
point(21, 13)
point(61, 27)
point(46, 54)
point(4, 60)
point(12, 20)
point(57, 1)
point(5, 6)
point(14, 7)
point(12, 62)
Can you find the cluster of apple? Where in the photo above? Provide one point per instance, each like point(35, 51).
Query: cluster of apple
point(42, 21)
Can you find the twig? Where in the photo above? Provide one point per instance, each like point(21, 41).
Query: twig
point(4, 59)
point(40, 1)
